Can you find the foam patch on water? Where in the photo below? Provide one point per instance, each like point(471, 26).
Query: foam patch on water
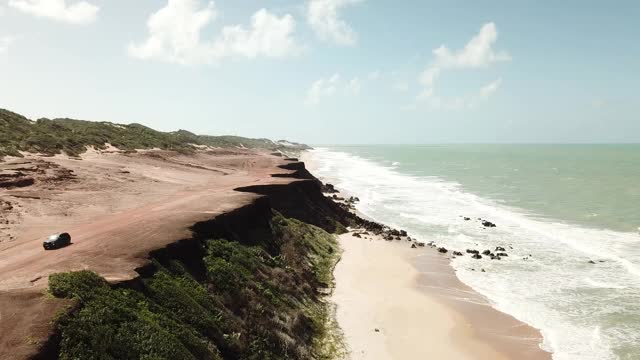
point(578, 285)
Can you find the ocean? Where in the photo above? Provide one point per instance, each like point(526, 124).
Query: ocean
point(569, 216)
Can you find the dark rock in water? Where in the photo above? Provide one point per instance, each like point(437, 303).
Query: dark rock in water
point(357, 235)
point(482, 270)
point(494, 257)
point(420, 244)
point(486, 252)
point(476, 256)
point(413, 246)
point(500, 248)
point(467, 218)
point(403, 233)
point(443, 250)
point(457, 253)
point(502, 254)
point(328, 188)
point(591, 262)
point(469, 251)
point(486, 223)
point(377, 330)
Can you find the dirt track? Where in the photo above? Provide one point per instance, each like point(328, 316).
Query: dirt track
point(117, 207)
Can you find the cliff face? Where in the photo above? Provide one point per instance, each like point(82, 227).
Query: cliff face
point(246, 285)
point(304, 201)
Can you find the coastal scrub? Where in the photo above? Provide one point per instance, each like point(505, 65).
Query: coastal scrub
point(235, 301)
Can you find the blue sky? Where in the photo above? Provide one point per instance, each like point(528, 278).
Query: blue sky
point(331, 71)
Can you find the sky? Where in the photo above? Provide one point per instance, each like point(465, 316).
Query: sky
point(331, 71)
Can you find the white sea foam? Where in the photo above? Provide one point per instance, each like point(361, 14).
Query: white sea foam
point(548, 280)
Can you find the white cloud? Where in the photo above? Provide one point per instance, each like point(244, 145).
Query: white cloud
point(428, 77)
point(488, 90)
point(477, 53)
point(332, 86)
point(175, 35)
point(322, 88)
point(434, 101)
point(269, 36)
point(79, 12)
point(354, 86)
point(324, 18)
point(5, 43)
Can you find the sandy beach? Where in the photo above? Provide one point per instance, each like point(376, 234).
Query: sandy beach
point(387, 310)
point(419, 306)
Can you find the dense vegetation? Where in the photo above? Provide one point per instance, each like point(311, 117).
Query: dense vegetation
point(18, 133)
point(235, 302)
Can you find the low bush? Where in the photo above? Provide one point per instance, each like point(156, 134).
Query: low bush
point(81, 285)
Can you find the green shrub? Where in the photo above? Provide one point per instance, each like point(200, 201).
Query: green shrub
point(78, 284)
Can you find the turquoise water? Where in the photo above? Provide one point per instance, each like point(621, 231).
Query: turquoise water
point(593, 185)
point(570, 214)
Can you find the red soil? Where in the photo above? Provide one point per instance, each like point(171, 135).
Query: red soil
point(117, 207)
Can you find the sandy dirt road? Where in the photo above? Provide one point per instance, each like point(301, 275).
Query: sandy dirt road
point(117, 207)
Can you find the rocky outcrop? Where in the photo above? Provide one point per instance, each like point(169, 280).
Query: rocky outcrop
point(329, 189)
point(486, 223)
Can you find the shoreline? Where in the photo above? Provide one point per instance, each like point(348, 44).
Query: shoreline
point(467, 329)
